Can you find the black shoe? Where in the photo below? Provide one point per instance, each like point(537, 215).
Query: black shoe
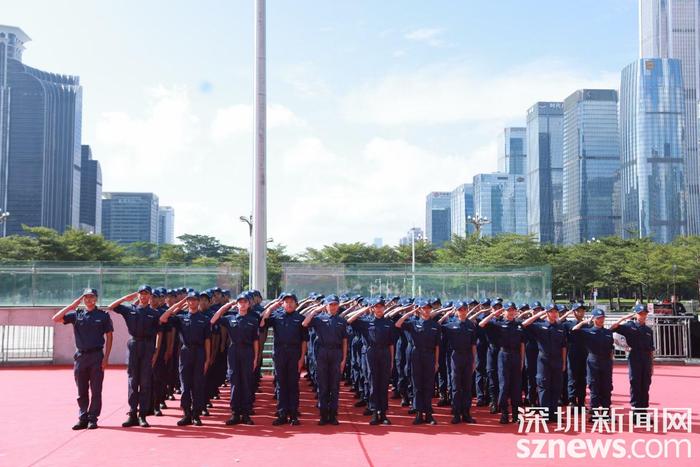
point(205, 412)
point(429, 419)
point(158, 413)
point(92, 426)
point(234, 420)
point(177, 391)
point(246, 420)
point(468, 418)
point(209, 404)
point(504, 419)
point(163, 406)
point(481, 403)
point(516, 419)
point(294, 421)
point(143, 423)
point(131, 421)
point(383, 418)
point(455, 419)
point(252, 412)
point(186, 420)
point(81, 425)
point(333, 418)
point(216, 397)
point(375, 419)
point(360, 403)
point(196, 421)
point(172, 397)
point(412, 411)
point(419, 419)
point(493, 409)
point(324, 418)
point(280, 420)
point(405, 402)
point(443, 402)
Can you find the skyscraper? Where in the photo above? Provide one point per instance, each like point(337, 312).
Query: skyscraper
point(40, 125)
point(544, 171)
point(501, 198)
point(461, 207)
point(591, 165)
point(512, 144)
point(670, 29)
point(166, 225)
point(130, 217)
point(437, 217)
point(90, 192)
point(652, 126)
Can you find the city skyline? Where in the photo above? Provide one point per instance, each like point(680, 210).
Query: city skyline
point(180, 117)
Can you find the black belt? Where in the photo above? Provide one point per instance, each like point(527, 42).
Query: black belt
point(93, 350)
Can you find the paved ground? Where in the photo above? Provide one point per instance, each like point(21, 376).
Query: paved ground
point(38, 408)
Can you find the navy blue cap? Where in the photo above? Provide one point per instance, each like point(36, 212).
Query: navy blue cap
point(535, 305)
point(182, 290)
point(320, 296)
point(498, 299)
point(190, 289)
point(89, 291)
point(332, 298)
point(146, 288)
point(577, 305)
point(256, 293)
point(485, 301)
point(396, 298)
point(312, 295)
point(284, 295)
point(193, 294)
point(508, 305)
point(378, 301)
point(205, 293)
point(226, 292)
point(496, 305)
point(421, 302)
point(243, 296)
point(434, 300)
point(447, 304)
point(162, 290)
point(551, 306)
point(215, 289)
point(157, 293)
point(171, 292)
point(597, 313)
point(461, 304)
point(472, 302)
point(640, 309)
point(561, 308)
point(523, 307)
point(343, 298)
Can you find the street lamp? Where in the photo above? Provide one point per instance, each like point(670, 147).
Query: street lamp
point(249, 220)
point(3, 216)
point(478, 221)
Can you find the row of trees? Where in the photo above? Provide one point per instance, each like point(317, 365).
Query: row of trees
point(637, 268)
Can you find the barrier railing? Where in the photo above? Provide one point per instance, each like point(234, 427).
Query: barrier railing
point(24, 344)
point(671, 335)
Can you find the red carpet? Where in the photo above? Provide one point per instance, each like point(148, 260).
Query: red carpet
point(38, 409)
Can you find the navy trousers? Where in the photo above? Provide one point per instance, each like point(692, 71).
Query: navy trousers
point(140, 375)
point(286, 361)
point(328, 375)
point(423, 376)
point(510, 380)
point(192, 380)
point(89, 375)
point(242, 377)
point(461, 364)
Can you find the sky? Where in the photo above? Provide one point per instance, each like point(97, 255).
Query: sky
point(371, 105)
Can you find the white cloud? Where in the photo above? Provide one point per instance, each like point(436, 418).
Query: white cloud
point(429, 36)
point(238, 119)
point(450, 93)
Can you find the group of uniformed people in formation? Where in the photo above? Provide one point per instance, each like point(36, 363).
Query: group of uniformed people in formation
point(504, 355)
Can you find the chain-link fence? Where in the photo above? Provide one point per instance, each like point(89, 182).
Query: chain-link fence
point(55, 283)
point(519, 284)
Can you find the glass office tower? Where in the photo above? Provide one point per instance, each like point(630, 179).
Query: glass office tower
point(591, 165)
point(544, 171)
point(437, 217)
point(501, 198)
point(90, 192)
point(130, 217)
point(512, 144)
point(461, 207)
point(670, 29)
point(652, 125)
point(40, 131)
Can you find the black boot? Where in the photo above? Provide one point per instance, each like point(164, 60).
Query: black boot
point(481, 403)
point(493, 409)
point(405, 402)
point(324, 417)
point(419, 419)
point(294, 419)
point(157, 412)
point(383, 418)
point(234, 420)
point(131, 421)
point(429, 419)
point(143, 423)
point(444, 401)
point(504, 418)
point(375, 419)
point(455, 419)
point(246, 420)
point(467, 417)
point(280, 420)
point(196, 420)
point(186, 420)
point(81, 425)
point(333, 417)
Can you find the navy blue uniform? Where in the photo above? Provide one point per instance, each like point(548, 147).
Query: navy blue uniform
point(379, 335)
point(89, 328)
point(492, 352)
point(143, 325)
point(330, 331)
point(599, 342)
point(289, 334)
point(510, 335)
point(461, 338)
point(530, 376)
point(243, 332)
point(640, 339)
point(160, 370)
point(576, 356)
point(482, 348)
point(426, 337)
point(194, 330)
point(551, 339)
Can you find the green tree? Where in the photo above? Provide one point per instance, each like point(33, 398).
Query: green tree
point(196, 246)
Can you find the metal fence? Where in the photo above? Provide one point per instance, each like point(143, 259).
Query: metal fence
point(23, 344)
point(54, 283)
point(520, 284)
point(671, 336)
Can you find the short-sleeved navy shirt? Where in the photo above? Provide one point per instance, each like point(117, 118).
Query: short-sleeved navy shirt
point(193, 328)
point(89, 327)
point(551, 338)
point(330, 330)
point(425, 333)
point(243, 330)
point(598, 341)
point(378, 333)
point(639, 338)
point(141, 322)
point(461, 335)
point(510, 334)
point(288, 328)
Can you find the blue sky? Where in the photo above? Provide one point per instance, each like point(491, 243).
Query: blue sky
point(372, 104)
